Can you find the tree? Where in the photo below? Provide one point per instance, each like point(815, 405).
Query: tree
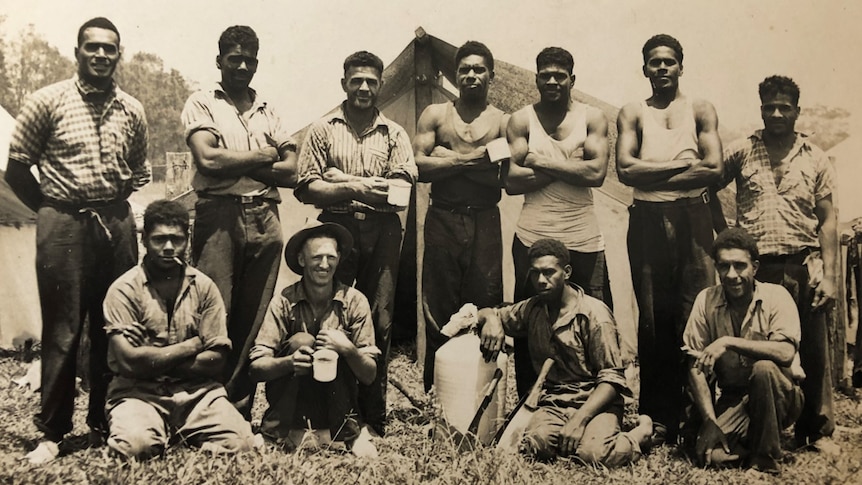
point(31, 64)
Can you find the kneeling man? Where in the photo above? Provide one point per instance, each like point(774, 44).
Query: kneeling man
point(167, 344)
point(581, 406)
point(745, 333)
point(316, 313)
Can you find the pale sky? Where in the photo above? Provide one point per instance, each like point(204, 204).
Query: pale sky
point(730, 46)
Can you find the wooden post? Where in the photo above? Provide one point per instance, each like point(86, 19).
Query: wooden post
point(178, 173)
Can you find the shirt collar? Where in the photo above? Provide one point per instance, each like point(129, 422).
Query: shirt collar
point(577, 309)
point(756, 297)
point(219, 92)
point(801, 141)
point(87, 89)
point(189, 274)
point(299, 294)
point(339, 114)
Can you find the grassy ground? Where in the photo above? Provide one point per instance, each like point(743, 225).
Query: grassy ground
point(406, 454)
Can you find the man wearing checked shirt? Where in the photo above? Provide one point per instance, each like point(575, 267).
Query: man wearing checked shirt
point(343, 168)
point(89, 141)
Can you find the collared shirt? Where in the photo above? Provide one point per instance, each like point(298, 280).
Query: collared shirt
point(290, 313)
point(780, 218)
point(771, 316)
point(86, 151)
point(383, 150)
point(198, 311)
point(212, 110)
point(584, 343)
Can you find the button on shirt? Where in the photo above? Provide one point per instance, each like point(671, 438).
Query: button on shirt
point(212, 110)
point(771, 316)
point(780, 218)
point(383, 150)
point(86, 151)
point(198, 312)
point(583, 342)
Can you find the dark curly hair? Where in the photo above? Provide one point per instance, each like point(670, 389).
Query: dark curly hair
point(241, 35)
point(99, 23)
point(549, 247)
point(662, 40)
point(774, 85)
point(363, 59)
point(165, 212)
point(735, 238)
point(471, 48)
point(555, 56)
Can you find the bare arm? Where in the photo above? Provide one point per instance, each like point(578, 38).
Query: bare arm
point(147, 361)
point(369, 190)
point(828, 235)
point(212, 160)
point(436, 162)
point(279, 174)
point(273, 367)
point(587, 168)
point(518, 178)
point(631, 170)
point(572, 432)
point(208, 363)
point(780, 352)
point(24, 184)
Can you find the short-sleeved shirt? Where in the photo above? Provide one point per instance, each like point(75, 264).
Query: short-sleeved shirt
point(771, 316)
point(383, 150)
point(584, 343)
point(198, 312)
point(212, 110)
point(290, 313)
point(780, 218)
point(86, 150)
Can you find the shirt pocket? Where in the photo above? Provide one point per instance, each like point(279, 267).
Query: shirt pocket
point(377, 162)
point(798, 186)
point(752, 189)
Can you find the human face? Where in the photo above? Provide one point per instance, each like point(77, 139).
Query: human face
point(319, 259)
point(662, 69)
point(736, 271)
point(473, 77)
point(554, 83)
point(779, 114)
point(549, 277)
point(361, 84)
point(237, 66)
point(97, 56)
point(165, 243)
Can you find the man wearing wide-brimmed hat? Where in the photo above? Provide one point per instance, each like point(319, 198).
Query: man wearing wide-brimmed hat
point(318, 312)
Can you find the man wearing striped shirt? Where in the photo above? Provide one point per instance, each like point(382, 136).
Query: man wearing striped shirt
point(89, 140)
point(347, 160)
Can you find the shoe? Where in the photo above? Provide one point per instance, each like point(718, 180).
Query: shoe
point(45, 452)
point(96, 438)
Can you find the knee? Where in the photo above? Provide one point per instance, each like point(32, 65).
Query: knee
point(540, 445)
point(138, 444)
point(592, 451)
point(763, 371)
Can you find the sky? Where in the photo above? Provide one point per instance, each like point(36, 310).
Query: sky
point(730, 45)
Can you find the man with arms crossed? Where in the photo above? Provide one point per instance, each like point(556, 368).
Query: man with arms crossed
point(668, 150)
point(559, 150)
point(463, 242)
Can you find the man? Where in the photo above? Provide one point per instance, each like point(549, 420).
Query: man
point(345, 166)
point(745, 336)
point(581, 407)
point(316, 312)
point(463, 261)
point(784, 186)
point(559, 149)
point(241, 152)
point(668, 150)
point(167, 346)
point(89, 141)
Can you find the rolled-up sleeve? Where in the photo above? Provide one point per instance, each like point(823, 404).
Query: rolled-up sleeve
point(272, 330)
point(312, 157)
point(197, 116)
point(604, 351)
point(213, 322)
point(120, 307)
point(402, 163)
point(696, 333)
point(783, 317)
point(142, 172)
point(515, 318)
point(360, 324)
point(283, 140)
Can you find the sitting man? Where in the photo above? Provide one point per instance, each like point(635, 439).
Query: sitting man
point(316, 312)
point(581, 407)
point(746, 335)
point(167, 344)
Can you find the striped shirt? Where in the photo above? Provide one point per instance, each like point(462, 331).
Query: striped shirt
point(86, 151)
point(383, 150)
point(780, 218)
point(212, 110)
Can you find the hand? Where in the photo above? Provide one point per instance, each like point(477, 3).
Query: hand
point(710, 355)
point(570, 436)
point(478, 157)
point(709, 438)
point(136, 334)
point(302, 361)
point(334, 340)
point(492, 336)
point(441, 151)
point(824, 293)
point(334, 175)
point(373, 190)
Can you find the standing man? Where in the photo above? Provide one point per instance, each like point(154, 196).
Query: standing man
point(347, 161)
point(463, 261)
point(559, 150)
point(89, 140)
point(668, 150)
point(745, 335)
point(784, 187)
point(242, 153)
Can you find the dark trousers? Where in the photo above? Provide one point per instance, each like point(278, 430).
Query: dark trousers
point(463, 263)
point(79, 253)
point(589, 271)
point(239, 246)
point(373, 265)
point(817, 418)
point(668, 244)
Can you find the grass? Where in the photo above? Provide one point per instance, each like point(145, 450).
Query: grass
point(407, 455)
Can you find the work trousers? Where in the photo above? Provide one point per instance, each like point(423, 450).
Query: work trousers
point(80, 251)
point(238, 245)
point(462, 263)
point(373, 266)
point(589, 271)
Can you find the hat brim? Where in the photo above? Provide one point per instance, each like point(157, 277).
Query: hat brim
point(295, 243)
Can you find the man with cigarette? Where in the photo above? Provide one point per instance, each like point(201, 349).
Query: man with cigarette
point(316, 314)
point(350, 162)
point(463, 259)
point(167, 346)
point(559, 151)
point(744, 336)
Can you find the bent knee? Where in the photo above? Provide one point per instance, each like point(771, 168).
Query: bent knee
point(764, 368)
point(140, 445)
point(540, 446)
point(592, 452)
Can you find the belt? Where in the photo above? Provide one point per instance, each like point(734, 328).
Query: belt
point(797, 258)
point(241, 199)
point(357, 214)
point(460, 209)
point(703, 198)
point(79, 206)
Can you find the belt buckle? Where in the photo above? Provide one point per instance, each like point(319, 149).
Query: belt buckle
point(246, 199)
point(359, 216)
point(705, 197)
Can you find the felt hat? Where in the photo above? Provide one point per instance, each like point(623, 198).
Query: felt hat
point(315, 228)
